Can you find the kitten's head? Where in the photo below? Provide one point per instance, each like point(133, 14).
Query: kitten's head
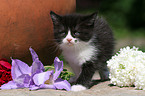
point(73, 29)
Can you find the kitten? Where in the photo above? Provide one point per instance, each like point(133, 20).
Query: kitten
point(86, 42)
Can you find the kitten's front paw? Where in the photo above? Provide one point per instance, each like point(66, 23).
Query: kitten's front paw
point(78, 88)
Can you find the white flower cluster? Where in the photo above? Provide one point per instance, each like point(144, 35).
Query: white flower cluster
point(127, 68)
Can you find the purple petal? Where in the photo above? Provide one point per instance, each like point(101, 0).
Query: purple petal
point(40, 78)
point(34, 88)
point(46, 86)
point(42, 86)
point(58, 68)
point(62, 84)
point(37, 67)
point(19, 68)
point(23, 81)
point(9, 85)
point(33, 53)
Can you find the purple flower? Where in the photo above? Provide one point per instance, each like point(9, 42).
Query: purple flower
point(50, 79)
point(34, 77)
point(22, 74)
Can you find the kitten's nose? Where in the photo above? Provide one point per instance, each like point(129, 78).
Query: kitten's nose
point(69, 40)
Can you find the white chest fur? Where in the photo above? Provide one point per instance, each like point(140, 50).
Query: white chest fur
point(78, 54)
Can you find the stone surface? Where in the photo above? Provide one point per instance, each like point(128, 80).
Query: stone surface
point(100, 89)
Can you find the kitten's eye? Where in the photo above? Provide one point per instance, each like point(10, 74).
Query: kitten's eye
point(76, 33)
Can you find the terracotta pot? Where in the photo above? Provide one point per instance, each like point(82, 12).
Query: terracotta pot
point(25, 23)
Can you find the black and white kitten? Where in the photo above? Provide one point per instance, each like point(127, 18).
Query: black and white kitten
point(86, 42)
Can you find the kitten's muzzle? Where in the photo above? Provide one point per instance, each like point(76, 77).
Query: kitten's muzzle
point(69, 40)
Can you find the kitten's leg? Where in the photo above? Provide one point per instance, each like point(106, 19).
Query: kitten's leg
point(104, 73)
point(77, 70)
point(84, 80)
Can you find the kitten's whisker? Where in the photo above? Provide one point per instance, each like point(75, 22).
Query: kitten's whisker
point(75, 48)
point(50, 40)
point(80, 46)
point(53, 46)
point(56, 46)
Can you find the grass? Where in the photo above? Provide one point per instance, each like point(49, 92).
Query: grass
point(121, 33)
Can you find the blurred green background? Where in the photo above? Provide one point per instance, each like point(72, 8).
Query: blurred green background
point(126, 18)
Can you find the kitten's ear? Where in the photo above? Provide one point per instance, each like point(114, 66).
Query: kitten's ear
point(90, 19)
point(93, 16)
point(55, 18)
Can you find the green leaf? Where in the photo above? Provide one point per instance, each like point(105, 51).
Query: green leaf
point(48, 67)
point(64, 69)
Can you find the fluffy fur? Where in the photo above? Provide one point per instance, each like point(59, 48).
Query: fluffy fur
point(86, 42)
